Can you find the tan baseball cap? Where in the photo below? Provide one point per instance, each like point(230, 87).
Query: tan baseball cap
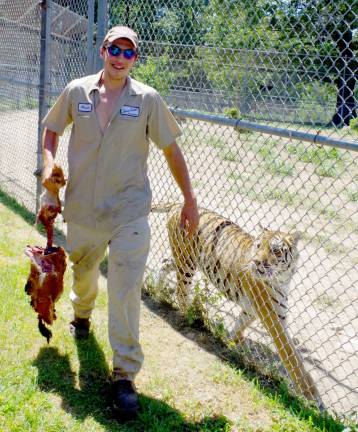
point(119, 32)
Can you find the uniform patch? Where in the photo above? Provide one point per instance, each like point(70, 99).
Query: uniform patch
point(84, 107)
point(130, 111)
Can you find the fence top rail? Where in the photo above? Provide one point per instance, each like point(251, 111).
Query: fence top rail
point(266, 129)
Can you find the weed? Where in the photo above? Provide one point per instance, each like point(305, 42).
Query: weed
point(216, 142)
point(328, 168)
point(278, 167)
point(353, 195)
point(218, 329)
point(329, 162)
point(229, 156)
point(272, 159)
point(159, 289)
point(282, 196)
point(234, 113)
point(19, 104)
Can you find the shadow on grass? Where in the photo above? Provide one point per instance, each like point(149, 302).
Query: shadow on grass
point(17, 208)
point(28, 216)
point(91, 398)
point(273, 387)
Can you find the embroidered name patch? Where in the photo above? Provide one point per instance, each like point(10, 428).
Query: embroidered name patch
point(84, 107)
point(130, 111)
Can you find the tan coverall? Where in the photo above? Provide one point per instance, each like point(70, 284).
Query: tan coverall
point(107, 202)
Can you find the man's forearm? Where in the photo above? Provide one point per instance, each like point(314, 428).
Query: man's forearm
point(49, 148)
point(179, 170)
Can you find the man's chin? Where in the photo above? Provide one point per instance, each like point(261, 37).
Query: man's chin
point(118, 72)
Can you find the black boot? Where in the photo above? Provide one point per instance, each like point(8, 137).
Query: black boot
point(79, 327)
point(125, 399)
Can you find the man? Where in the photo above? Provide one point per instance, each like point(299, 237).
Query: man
point(108, 196)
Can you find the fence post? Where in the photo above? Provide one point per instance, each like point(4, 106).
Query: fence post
point(44, 83)
point(101, 31)
point(90, 26)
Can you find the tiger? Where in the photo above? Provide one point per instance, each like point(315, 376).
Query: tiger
point(253, 272)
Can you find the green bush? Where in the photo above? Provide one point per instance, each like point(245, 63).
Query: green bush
point(157, 73)
point(232, 112)
point(353, 124)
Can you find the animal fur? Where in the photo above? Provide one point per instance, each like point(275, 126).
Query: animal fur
point(48, 265)
point(50, 202)
point(253, 272)
point(45, 283)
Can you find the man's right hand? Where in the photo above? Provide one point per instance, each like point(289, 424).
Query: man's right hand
point(52, 180)
point(46, 173)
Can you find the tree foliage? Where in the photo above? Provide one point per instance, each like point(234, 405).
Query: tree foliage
point(250, 46)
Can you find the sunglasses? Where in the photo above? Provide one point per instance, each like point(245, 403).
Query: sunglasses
point(115, 51)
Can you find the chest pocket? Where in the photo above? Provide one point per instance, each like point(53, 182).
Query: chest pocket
point(86, 126)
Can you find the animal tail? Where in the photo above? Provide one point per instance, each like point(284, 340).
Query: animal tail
point(44, 330)
point(163, 207)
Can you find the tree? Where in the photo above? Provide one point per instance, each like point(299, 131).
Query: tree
point(176, 22)
point(283, 49)
point(325, 29)
point(306, 41)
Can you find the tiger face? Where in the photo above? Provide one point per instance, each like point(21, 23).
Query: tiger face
point(274, 255)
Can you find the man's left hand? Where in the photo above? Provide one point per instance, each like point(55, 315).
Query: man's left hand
point(189, 219)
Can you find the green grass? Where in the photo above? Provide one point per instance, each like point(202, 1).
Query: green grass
point(353, 195)
point(272, 158)
point(329, 245)
point(229, 155)
point(18, 105)
point(272, 389)
point(63, 386)
point(329, 162)
point(216, 142)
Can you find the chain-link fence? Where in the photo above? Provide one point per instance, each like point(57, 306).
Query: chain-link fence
point(40, 52)
point(266, 96)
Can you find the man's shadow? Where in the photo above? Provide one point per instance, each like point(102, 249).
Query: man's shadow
point(89, 395)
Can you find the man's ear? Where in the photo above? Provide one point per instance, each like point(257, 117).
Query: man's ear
point(102, 51)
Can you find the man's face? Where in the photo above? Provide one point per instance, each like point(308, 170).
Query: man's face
point(118, 67)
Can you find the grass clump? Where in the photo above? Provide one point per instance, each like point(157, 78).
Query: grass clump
point(272, 159)
point(229, 156)
point(277, 166)
point(353, 195)
point(234, 113)
point(216, 142)
point(328, 162)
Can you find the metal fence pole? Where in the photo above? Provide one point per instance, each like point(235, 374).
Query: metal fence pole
point(101, 31)
point(44, 85)
point(90, 26)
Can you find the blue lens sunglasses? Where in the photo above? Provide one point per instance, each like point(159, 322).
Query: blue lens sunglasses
point(115, 51)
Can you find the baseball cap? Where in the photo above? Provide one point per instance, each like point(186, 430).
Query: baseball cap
point(118, 32)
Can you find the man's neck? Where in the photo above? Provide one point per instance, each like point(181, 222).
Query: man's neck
point(113, 86)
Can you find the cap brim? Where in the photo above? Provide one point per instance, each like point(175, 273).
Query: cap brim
point(121, 36)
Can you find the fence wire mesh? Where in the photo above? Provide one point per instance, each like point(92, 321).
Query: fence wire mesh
point(281, 64)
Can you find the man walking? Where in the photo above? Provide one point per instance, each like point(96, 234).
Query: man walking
point(108, 197)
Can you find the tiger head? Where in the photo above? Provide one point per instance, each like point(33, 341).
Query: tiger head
point(274, 255)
